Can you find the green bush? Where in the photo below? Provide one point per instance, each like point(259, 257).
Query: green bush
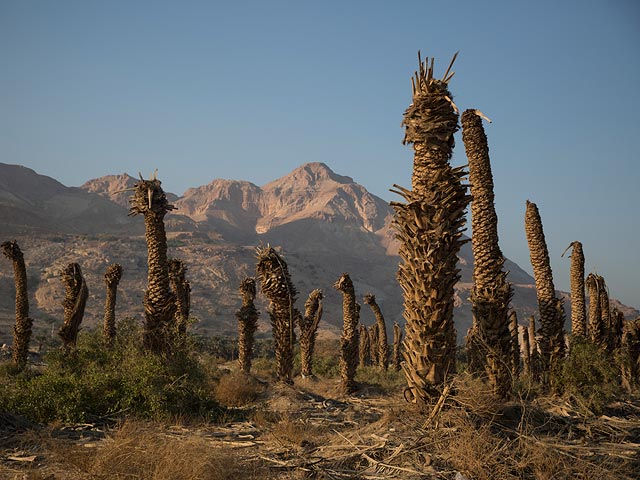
point(589, 376)
point(93, 382)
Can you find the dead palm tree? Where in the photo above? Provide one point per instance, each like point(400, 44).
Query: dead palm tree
point(578, 312)
point(364, 349)
point(112, 278)
point(150, 200)
point(308, 331)
point(349, 339)
point(373, 340)
point(383, 343)
point(631, 349)
point(22, 328)
point(515, 344)
point(182, 290)
point(75, 300)
point(605, 312)
point(526, 353)
point(491, 291)
point(533, 345)
point(276, 285)
point(597, 330)
point(551, 344)
point(429, 226)
point(617, 325)
point(247, 317)
point(397, 342)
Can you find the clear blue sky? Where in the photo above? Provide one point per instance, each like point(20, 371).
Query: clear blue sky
point(250, 90)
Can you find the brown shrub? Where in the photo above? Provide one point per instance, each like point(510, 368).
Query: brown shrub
point(238, 389)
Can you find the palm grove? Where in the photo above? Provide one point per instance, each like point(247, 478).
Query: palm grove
point(429, 222)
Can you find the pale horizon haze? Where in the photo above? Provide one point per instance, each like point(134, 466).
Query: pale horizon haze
point(251, 90)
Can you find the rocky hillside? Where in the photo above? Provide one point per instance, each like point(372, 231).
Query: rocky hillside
point(324, 223)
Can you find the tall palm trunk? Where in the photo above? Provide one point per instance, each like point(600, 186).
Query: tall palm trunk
point(631, 349)
point(597, 330)
point(491, 292)
point(373, 341)
point(617, 324)
point(247, 317)
point(111, 278)
point(526, 353)
point(75, 300)
point(275, 282)
point(551, 345)
point(429, 226)
point(159, 301)
point(182, 290)
point(605, 312)
point(578, 312)
point(364, 349)
point(397, 342)
point(383, 343)
point(22, 328)
point(308, 331)
point(349, 339)
point(515, 344)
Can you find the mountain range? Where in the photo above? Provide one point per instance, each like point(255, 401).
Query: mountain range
point(323, 223)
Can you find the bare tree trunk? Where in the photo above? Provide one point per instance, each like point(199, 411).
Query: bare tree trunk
point(247, 317)
point(75, 300)
point(491, 292)
point(515, 344)
point(349, 339)
point(429, 226)
point(22, 328)
point(373, 341)
point(597, 330)
point(182, 290)
point(526, 351)
point(578, 312)
point(308, 331)
point(397, 343)
point(365, 346)
point(552, 344)
point(159, 301)
point(111, 278)
point(276, 285)
point(383, 343)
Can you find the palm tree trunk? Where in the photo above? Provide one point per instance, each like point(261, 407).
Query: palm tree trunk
point(22, 328)
point(429, 226)
point(275, 282)
point(182, 290)
point(515, 344)
point(364, 350)
point(159, 301)
point(383, 343)
point(75, 300)
point(308, 331)
point(111, 277)
point(617, 323)
point(597, 330)
point(349, 339)
point(578, 312)
point(552, 345)
point(397, 345)
point(526, 351)
point(491, 292)
point(247, 317)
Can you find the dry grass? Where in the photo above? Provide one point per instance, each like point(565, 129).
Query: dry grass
point(238, 389)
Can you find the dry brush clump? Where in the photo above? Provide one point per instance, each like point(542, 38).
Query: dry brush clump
point(429, 226)
point(159, 301)
point(276, 285)
point(22, 328)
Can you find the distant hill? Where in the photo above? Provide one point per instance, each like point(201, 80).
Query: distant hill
point(325, 224)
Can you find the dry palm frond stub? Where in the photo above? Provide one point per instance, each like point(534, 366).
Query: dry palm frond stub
point(397, 344)
point(182, 290)
point(576, 272)
point(150, 201)
point(22, 328)
point(75, 300)
point(365, 346)
point(383, 343)
point(429, 225)
point(597, 329)
point(349, 339)
point(247, 317)
point(111, 278)
point(308, 331)
point(551, 344)
point(491, 291)
point(276, 285)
